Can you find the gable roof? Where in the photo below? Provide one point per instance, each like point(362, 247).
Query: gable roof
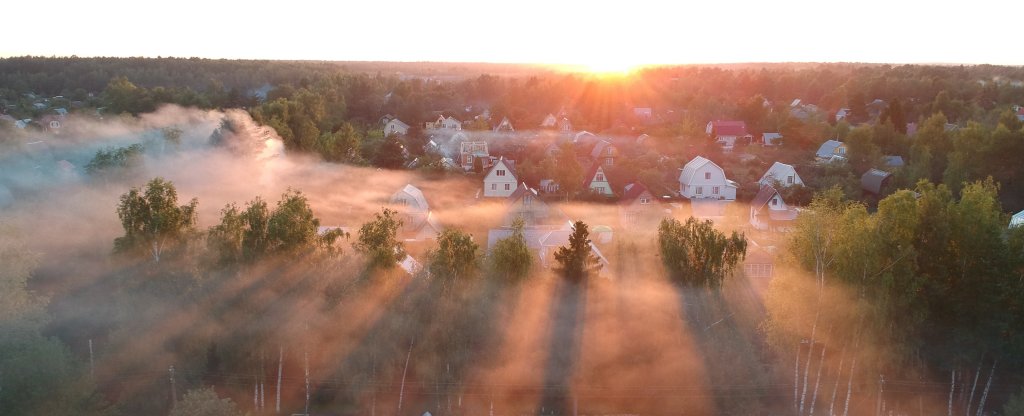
point(779, 165)
point(728, 128)
point(416, 194)
point(828, 148)
point(894, 161)
point(588, 178)
point(634, 191)
point(509, 164)
point(599, 148)
point(398, 123)
point(519, 193)
point(873, 179)
point(691, 168)
point(763, 196)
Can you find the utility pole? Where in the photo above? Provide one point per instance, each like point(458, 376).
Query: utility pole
point(305, 359)
point(401, 390)
point(92, 365)
point(280, 368)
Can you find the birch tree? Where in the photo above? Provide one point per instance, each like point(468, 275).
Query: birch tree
point(152, 219)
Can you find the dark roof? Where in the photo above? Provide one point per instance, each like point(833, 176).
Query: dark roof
point(510, 164)
point(873, 179)
point(728, 128)
point(633, 191)
point(763, 196)
point(589, 176)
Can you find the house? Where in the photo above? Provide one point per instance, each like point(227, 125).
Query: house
point(894, 161)
point(449, 123)
point(842, 114)
point(642, 113)
point(62, 112)
point(638, 205)
point(564, 125)
point(768, 212)
point(525, 203)
point(874, 180)
point(604, 153)
point(418, 222)
point(703, 179)
point(771, 139)
point(22, 124)
point(831, 151)
point(596, 181)
point(642, 139)
point(383, 121)
point(469, 152)
point(549, 186)
point(395, 126)
point(1017, 219)
point(549, 122)
point(801, 111)
point(501, 181)
point(505, 126)
point(727, 133)
point(584, 137)
point(780, 174)
point(410, 266)
point(1020, 114)
point(876, 107)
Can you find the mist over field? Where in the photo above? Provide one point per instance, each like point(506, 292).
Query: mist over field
point(307, 278)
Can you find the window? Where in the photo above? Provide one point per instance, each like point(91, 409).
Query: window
point(700, 190)
point(599, 177)
point(501, 172)
point(494, 187)
point(775, 201)
point(715, 190)
point(508, 187)
point(707, 175)
point(527, 200)
point(644, 201)
point(789, 179)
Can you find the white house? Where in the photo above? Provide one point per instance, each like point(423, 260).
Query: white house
point(505, 126)
point(842, 114)
point(781, 174)
point(596, 181)
point(1017, 219)
point(769, 212)
point(449, 123)
point(727, 133)
point(771, 139)
point(395, 126)
point(501, 181)
point(703, 179)
point(549, 122)
point(418, 223)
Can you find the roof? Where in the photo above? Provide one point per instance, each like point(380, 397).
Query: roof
point(583, 135)
point(599, 148)
point(1017, 219)
point(894, 161)
point(633, 191)
point(771, 136)
point(873, 179)
point(416, 194)
point(729, 128)
point(398, 122)
point(778, 165)
point(763, 196)
point(691, 168)
point(509, 164)
point(520, 191)
point(828, 148)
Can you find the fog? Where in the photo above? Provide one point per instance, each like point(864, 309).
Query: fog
point(390, 343)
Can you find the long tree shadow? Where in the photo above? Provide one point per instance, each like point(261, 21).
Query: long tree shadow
point(563, 349)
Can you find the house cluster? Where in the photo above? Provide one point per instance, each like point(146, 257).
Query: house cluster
point(52, 121)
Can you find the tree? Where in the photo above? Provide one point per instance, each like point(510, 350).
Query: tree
point(577, 260)
point(292, 226)
point(114, 162)
point(456, 257)
point(153, 220)
point(568, 172)
point(697, 254)
point(204, 402)
point(391, 154)
point(378, 240)
point(511, 257)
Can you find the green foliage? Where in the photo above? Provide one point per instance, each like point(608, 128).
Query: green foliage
point(340, 146)
point(152, 219)
point(378, 240)
point(577, 260)
point(121, 161)
point(511, 258)
point(391, 154)
point(696, 254)
point(205, 402)
point(456, 257)
point(290, 229)
point(568, 172)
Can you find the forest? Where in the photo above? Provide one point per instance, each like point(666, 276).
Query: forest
point(221, 237)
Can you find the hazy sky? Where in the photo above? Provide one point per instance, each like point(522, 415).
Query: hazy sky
point(597, 33)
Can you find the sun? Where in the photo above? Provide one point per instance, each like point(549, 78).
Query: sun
point(610, 67)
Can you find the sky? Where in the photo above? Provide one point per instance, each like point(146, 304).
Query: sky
point(598, 34)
